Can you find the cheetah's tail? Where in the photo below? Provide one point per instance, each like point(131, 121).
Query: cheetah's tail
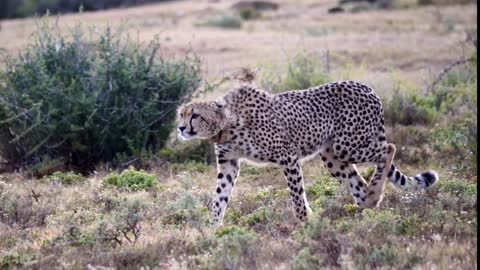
point(401, 181)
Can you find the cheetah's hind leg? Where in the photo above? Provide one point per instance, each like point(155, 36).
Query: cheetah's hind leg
point(345, 173)
point(376, 188)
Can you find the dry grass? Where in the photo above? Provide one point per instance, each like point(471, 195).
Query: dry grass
point(437, 228)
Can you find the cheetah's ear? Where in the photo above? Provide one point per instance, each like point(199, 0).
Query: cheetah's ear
point(219, 108)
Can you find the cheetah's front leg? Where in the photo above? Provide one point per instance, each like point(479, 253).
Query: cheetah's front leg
point(227, 175)
point(293, 175)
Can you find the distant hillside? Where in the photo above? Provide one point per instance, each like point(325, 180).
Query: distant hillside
point(26, 8)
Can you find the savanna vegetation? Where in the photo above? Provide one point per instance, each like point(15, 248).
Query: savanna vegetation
point(93, 176)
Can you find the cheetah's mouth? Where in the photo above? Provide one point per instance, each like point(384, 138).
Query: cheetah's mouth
point(188, 135)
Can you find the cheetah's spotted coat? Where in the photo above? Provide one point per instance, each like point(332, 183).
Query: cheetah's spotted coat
point(342, 122)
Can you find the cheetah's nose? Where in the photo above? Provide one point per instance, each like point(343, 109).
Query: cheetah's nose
point(181, 128)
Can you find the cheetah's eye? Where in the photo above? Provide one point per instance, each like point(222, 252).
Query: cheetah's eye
point(194, 115)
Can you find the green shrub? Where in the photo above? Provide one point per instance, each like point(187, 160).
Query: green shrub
point(226, 20)
point(15, 207)
point(319, 237)
point(75, 236)
point(302, 71)
point(377, 258)
point(456, 97)
point(249, 13)
point(190, 166)
point(187, 208)
point(384, 223)
point(306, 260)
point(131, 180)
point(15, 260)
point(410, 109)
point(259, 216)
point(47, 166)
point(86, 97)
point(68, 178)
point(123, 224)
point(460, 188)
point(409, 225)
point(230, 230)
point(199, 151)
point(324, 186)
point(236, 251)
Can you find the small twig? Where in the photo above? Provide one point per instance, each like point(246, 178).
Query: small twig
point(446, 70)
point(327, 61)
point(245, 75)
point(35, 195)
point(125, 234)
point(129, 162)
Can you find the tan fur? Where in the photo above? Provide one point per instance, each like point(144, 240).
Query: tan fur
point(212, 119)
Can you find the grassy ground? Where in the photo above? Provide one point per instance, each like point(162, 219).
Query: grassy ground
point(71, 222)
point(52, 225)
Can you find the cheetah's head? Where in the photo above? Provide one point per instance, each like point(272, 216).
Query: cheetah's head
point(200, 120)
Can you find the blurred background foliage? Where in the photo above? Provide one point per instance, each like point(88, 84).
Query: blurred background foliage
point(26, 8)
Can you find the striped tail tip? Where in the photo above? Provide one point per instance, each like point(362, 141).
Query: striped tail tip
point(427, 179)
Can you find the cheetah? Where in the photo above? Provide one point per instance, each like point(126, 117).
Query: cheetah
point(342, 122)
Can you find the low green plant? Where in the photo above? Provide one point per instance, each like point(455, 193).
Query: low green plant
point(409, 225)
point(459, 188)
point(259, 216)
point(249, 13)
point(236, 249)
point(367, 175)
point(410, 109)
point(383, 223)
point(66, 178)
point(131, 180)
point(306, 260)
point(232, 216)
point(16, 260)
point(456, 97)
point(123, 224)
point(230, 230)
point(384, 256)
point(187, 207)
point(47, 166)
point(323, 186)
point(190, 166)
point(199, 151)
point(75, 235)
point(303, 70)
point(227, 20)
point(15, 208)
point(320, 238)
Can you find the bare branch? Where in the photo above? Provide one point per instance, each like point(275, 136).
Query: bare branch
point(245, 75)
point(440, 76)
